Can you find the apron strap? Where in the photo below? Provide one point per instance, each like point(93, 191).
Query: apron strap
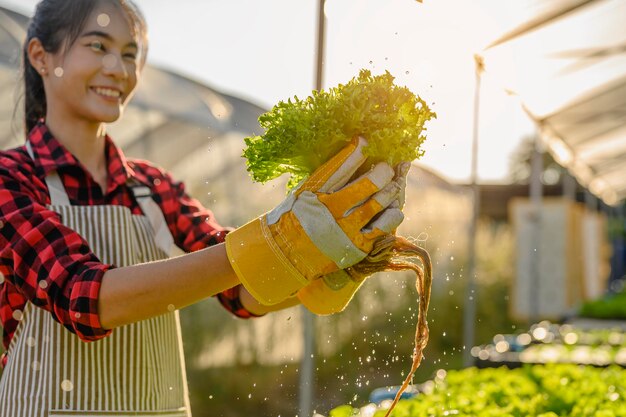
point(162, 235)
point(58, 195)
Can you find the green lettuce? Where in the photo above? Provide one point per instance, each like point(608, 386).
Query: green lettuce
point(300, 135)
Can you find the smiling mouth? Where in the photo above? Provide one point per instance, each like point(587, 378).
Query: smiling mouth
point(108, 93)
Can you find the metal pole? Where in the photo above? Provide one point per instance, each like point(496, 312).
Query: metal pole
point(321, 34)
point(617, 269)
point(536, 196)
point(469, 318)
point(569, 187)
point(307, 364)
point(591, 201)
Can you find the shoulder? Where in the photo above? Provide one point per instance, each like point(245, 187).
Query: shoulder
point(160, 181)
point(20, 180)
point(149, 172)
point(15, 156)
point(16, 164)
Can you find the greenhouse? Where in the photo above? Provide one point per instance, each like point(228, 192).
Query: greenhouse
point(516, 197)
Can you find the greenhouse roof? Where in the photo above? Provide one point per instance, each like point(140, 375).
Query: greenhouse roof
point(566, 61)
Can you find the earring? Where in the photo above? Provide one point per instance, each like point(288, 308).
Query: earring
point(42, 71)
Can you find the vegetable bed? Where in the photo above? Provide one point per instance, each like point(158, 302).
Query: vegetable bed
point(538, 390)
point(552, 343)
point(610, 307)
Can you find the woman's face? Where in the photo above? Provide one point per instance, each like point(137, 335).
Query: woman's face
point(95, 77)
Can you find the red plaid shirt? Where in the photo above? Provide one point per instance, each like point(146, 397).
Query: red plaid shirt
point(50, 265)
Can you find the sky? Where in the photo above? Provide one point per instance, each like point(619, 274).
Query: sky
point(265, 51)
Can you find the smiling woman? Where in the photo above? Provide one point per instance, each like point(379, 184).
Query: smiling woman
point(98, 248)
point(84, 43)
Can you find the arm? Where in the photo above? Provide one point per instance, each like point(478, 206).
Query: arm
point(138, 292)
point(133, 293)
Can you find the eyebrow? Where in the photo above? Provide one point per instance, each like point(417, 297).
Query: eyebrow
point(107, 36)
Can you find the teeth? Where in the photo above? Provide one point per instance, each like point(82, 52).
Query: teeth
point(107, 92)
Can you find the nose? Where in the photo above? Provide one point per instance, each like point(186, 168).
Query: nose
point(113, 65)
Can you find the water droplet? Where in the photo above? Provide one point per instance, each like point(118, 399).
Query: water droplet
point(77, 315)
point(406, 72)
point(36, 366)
point(67, 385)
point(31, 341)
point(1, 278)
point(171, 307)
point(43, 284)
point(103, 20)
point(156, 182)
point(58, 71)
point(17, 315)
point(109, 61)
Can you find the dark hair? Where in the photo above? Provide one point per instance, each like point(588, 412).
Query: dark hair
point(57, 24)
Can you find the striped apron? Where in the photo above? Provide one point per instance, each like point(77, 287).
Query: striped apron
point(138, 370)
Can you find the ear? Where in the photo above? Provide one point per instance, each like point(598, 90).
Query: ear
point(37, 56)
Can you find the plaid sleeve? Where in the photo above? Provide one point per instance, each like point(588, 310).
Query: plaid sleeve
point(231, 301)
point(45, 262)
point(192, 225)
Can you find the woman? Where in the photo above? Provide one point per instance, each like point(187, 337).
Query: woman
point(92, 245)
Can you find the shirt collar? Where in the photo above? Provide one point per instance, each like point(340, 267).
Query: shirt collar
point(51, 155)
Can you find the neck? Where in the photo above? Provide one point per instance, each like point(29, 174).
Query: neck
point(86, 142)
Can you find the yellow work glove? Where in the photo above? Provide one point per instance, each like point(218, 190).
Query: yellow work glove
point(316, 230)
point(333, 292)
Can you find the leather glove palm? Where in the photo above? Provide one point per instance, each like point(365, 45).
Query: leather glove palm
point(333, 292)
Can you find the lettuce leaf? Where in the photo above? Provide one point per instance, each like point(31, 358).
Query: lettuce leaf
point(300, 135)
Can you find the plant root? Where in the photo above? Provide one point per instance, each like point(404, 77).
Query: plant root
point(395, 253)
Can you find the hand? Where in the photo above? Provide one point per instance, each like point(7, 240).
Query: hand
point(333, 292)
point(321, 227)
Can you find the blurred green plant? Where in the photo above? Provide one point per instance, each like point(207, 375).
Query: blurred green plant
point(540, 390)
point(611, 306)
point(617, 228)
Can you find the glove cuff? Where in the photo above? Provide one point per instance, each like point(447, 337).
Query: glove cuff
point(260, 264)
point(320, 299)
